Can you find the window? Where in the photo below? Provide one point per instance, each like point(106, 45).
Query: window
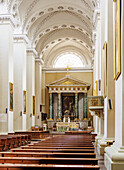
point(68, 59)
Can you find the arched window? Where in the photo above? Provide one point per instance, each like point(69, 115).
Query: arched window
point(68, 59)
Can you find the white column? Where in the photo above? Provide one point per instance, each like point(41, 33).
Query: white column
point(38, 80)
point(109, 115)
point(97, 50)
point(114, 156)
point(109, 126)
point(31, 53)
point(96, 124)
point(6, 72)
point(19, 81)
point(101, 126)
point(101, 130)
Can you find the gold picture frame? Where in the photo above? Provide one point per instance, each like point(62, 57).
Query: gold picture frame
point(11, 97)
point(104, 61)
point(33, 104)
point(96, 84)
point(24, 101)
point(117, 38)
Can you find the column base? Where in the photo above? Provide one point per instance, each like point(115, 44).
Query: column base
point(97, 138)
point(59, 119)
point(50, 123)
point(114, 158)
point(102, 144)
point(76, 119)
point(83, 124)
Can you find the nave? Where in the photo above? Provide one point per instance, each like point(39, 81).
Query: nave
point(71, 151)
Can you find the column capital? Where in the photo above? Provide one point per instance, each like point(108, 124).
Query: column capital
point(7, 19)
point(39, 60)
point(20, 38)
point(32, 51)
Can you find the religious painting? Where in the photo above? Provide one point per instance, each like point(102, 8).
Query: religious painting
point(33, 99)
point(117, 37)
point(68, 105)
point(104, 69)
point(24, 102)
point(11, 97)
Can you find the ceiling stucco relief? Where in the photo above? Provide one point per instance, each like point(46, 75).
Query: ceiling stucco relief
point(54, 17)
point(76, 42)
point(55, 9)
point(55, 26)
point(61, 33)
point(62, 48)
point(72, 27)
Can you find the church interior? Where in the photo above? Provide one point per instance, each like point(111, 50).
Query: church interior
point(61, 84)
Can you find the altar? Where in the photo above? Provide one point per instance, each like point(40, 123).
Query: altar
point(68, 100)
point(67, 126)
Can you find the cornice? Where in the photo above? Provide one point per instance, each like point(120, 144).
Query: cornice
point(20, 38)
point(96, 16)
point(32, 50)
point(39, 60)
point(7, 19)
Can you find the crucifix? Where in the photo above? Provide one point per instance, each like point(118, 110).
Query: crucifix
point(68, 68)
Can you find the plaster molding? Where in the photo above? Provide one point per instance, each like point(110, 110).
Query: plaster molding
point(59, 27)
point(31, 6)
point(54, 10)
point(32, 50)
point(57, 12)
point(39, 60)
point(43, 42)
point(20, 38)
point(96, 16)
point(7, 19)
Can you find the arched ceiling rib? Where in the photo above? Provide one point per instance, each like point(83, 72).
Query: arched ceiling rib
point(67, 22)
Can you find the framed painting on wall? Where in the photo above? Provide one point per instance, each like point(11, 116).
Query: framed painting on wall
point(24, 102)
point(33, 100)
point(11, 97)
point(117, 37)
point(104, 70)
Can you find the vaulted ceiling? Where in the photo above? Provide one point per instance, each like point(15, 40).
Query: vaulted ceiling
point(56, 26)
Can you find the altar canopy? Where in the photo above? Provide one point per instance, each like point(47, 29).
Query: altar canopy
point(68, 98)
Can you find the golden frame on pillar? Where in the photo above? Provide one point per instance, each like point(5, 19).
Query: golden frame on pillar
point(96, 87)
point(33, 105)
point(24, 101)
point(117, 38)
point(104, 61)
point(11, 97)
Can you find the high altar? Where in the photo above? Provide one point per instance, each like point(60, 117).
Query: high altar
point(68, 103)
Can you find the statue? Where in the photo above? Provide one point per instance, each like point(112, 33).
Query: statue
point(68, 119)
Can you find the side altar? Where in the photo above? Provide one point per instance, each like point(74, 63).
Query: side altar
point(68, 100)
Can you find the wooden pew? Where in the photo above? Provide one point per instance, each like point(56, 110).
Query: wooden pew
point(55, 150)
point(57, 147)
point(47, 154)
point(72, 151)
point(13, 141)
point(43, 160)
point(35, 167)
